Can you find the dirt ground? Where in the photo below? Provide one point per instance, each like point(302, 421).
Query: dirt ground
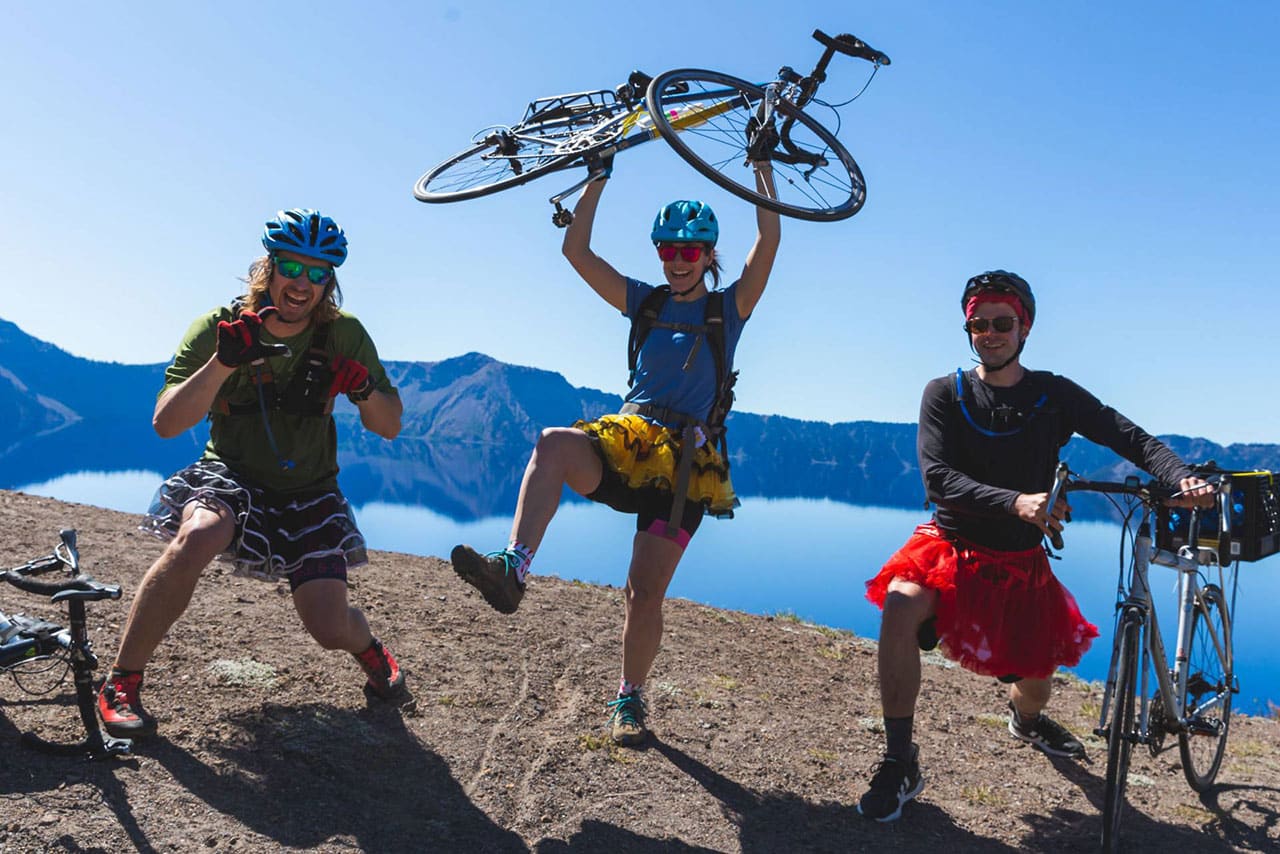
point(765, 731)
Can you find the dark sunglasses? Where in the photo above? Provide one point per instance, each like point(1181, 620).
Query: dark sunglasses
point(979, 325)
point(291, 269)
point(688, 251)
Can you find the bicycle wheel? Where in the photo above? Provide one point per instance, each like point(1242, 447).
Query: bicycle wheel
point(501, 158)
point(703, 115)
point(1207, 704)
point(1120, 734)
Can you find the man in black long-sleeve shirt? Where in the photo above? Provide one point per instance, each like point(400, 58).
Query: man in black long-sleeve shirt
point(976, 578)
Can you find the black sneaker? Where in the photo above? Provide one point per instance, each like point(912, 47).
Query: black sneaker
point(1044, 734)
point(894, 782)
point(493, 574)
point(626, 721)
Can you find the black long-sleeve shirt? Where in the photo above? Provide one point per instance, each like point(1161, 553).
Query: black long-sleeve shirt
point(974, 478)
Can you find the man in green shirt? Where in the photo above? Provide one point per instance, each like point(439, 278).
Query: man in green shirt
point(264, 496)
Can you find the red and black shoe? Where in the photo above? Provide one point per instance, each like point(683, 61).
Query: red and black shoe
point(120, 705)
point(385, 679)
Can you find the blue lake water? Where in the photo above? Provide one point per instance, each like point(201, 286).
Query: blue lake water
point(809, 557)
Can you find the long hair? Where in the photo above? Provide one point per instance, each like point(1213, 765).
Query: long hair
point(714, 269)
point(259, 295)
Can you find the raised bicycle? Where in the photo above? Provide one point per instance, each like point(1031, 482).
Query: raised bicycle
point(714, 121)
point(31, 649)
point(1193, 689)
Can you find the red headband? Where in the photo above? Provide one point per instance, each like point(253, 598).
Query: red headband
point(971, 306)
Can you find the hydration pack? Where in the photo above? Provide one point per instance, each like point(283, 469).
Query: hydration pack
point(307, 392)
point(712, 329)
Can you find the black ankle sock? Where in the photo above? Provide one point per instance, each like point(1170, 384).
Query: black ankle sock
point(1027, 720)
point(897, 736)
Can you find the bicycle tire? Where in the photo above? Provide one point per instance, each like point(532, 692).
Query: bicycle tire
point(484, 169)
point(1208, 677)
point(1120, 734)
point(703, 115)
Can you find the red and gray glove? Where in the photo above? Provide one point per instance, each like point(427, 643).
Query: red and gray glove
point(350, 378)
point(240, 341)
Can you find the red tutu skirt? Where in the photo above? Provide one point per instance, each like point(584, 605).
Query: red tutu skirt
point(998, 613)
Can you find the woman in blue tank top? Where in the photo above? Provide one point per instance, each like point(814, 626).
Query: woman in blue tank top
point(656, 458)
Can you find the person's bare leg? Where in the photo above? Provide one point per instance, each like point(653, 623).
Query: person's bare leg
point(1030, 696)
point(166, 589)
point(653, 563)
point(329, 618)
point(562, 456)
point(906, 606)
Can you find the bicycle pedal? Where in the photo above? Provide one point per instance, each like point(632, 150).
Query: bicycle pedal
point(1200, 727)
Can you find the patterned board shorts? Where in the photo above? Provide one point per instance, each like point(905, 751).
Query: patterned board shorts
point(298, 536)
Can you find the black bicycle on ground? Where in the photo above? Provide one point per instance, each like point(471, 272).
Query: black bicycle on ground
point(34, 650)
point(714, 121)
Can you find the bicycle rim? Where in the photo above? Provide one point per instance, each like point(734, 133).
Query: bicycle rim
point(501, 159)
point(703, 115)
point(1208, 697)
point(1120, 734)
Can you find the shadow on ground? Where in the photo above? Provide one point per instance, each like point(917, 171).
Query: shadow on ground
point(775, 821)
point(1069, 830)
point(35, 780)
point(304, 775)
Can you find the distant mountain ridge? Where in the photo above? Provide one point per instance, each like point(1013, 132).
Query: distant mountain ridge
point(469, 424)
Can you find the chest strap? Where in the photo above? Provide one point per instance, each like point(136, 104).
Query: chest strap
point(308, 389)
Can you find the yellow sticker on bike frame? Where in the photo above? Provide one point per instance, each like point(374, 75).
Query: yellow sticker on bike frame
point(679, 119)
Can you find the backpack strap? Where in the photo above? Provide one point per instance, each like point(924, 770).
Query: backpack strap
point(641, 325)
point(307, 392)
point(962, 381)
point(712, 328)
point(725, 378)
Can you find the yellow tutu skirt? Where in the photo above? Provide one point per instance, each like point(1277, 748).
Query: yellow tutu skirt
point(644, 455)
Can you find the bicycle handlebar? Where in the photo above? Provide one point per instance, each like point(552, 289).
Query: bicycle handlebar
point(1150, 493)
point(851, 45)
point(76, 585)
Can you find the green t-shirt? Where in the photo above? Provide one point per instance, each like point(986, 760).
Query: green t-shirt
point(240, 441)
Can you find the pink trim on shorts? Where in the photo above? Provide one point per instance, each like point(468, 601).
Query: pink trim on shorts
point(658, 527)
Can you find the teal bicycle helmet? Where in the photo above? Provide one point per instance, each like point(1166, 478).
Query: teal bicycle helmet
point(306, 232)
point(686, 222)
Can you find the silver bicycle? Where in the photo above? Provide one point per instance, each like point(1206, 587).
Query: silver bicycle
point(714, 121)
point(1193, 688)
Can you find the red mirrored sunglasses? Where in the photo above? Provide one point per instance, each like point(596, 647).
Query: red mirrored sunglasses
point(688, 251)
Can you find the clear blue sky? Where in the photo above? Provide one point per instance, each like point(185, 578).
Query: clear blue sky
point(1122, 157)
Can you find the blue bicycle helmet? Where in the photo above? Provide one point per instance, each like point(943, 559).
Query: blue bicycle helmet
point(308, 233)
point(1002, 281)
point(686, 222)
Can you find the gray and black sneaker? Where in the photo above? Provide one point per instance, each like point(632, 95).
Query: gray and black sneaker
point(626, 721)
point(493, 574)
point(894, 782)
point(1045, 734)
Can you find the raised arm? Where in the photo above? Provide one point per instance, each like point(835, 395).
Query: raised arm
point(755, 273)
point(185, 405)
point(594, 270)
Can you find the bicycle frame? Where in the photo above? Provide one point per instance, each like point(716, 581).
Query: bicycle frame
point(1138, 604)
point(621, 130)
point(627, 125)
